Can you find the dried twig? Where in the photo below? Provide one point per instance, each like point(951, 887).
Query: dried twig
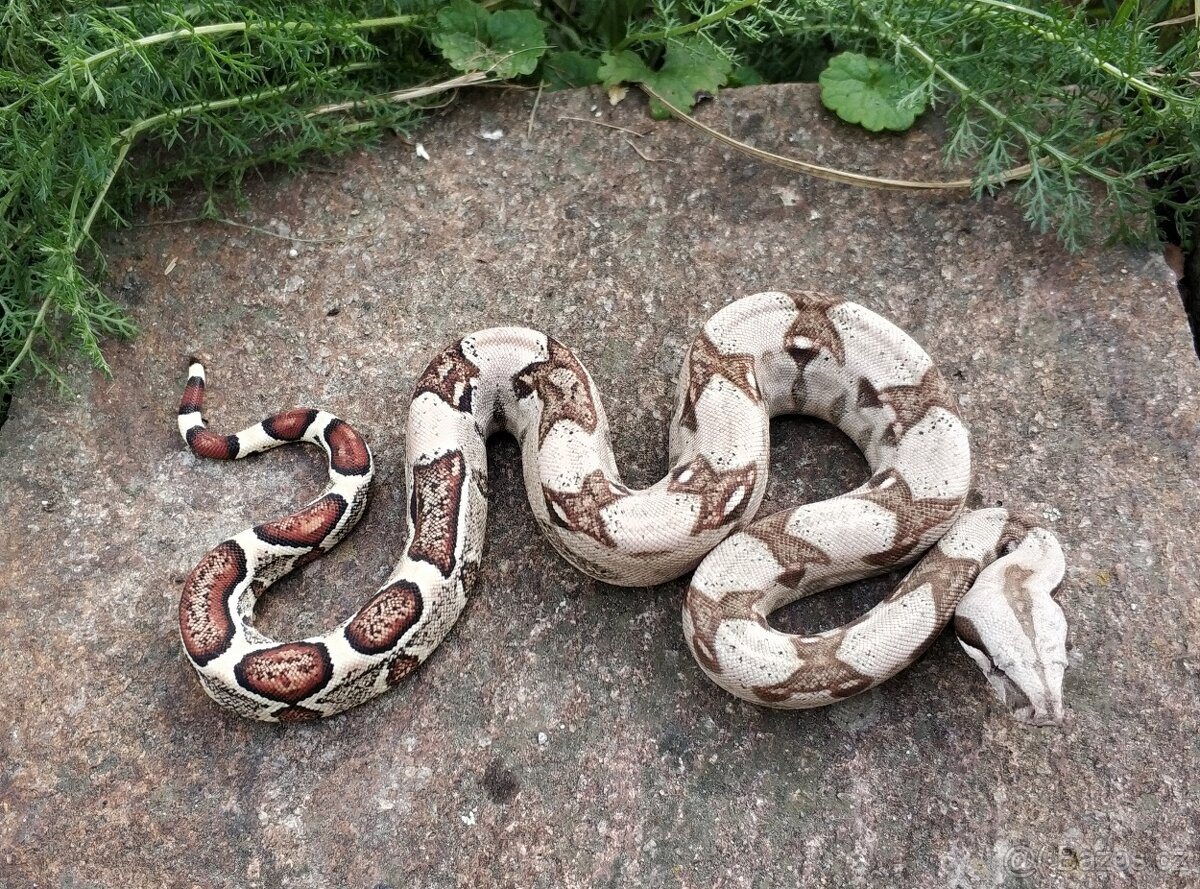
point(537, 99)
point(610, 126)
point(642, 154)
point(254, 228)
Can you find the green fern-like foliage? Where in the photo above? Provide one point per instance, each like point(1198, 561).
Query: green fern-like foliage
point(103, 106)
point(1099, 110)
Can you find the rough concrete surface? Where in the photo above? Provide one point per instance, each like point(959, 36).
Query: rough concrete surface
point(563, 737)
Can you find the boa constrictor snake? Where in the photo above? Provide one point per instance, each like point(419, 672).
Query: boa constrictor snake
point(771, 353)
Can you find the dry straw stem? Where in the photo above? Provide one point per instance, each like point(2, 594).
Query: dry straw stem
point(600, 123)
point(410, 94)
point(830, 173)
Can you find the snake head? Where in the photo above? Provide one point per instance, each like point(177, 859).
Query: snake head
point(1015, 632)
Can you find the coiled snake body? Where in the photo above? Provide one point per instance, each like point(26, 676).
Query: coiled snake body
point(767, 354)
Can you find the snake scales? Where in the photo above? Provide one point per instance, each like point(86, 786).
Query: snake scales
point(990, 571)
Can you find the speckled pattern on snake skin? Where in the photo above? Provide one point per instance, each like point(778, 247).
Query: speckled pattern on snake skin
point(990, 571)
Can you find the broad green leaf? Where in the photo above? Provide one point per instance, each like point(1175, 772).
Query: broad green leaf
point(567, 70)
point(462, 51)
point(507, 43)
point(746, 75)
point(623, 67)
point(691, 66)
point(462, 17)
point(519, 35)
point(869, 92)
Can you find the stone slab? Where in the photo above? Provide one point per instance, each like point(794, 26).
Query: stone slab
point(562, 737)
